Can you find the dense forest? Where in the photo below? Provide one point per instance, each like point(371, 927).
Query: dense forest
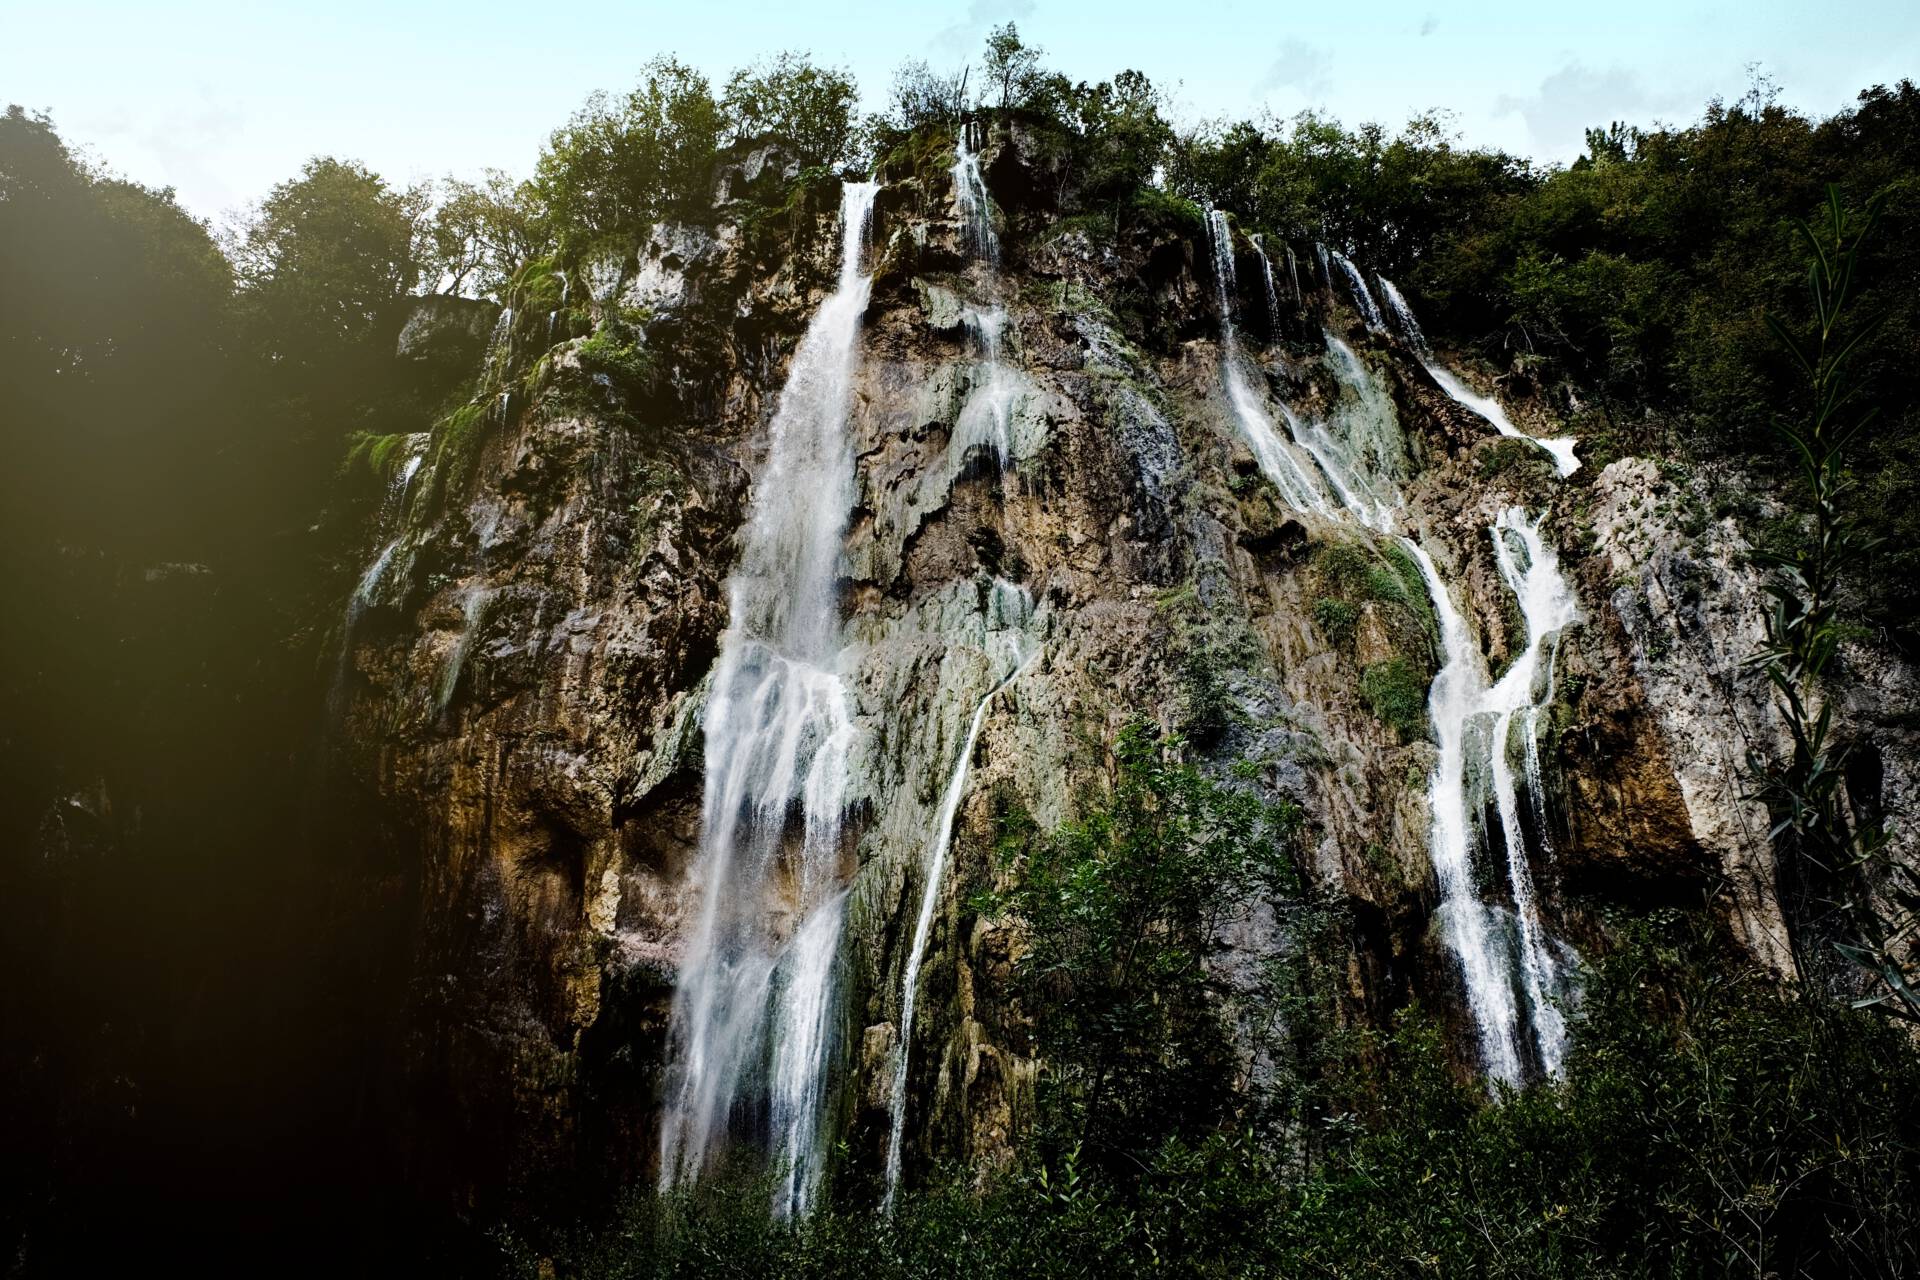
point(205, 922)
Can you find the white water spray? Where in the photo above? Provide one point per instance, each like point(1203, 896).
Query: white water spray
point(753, 1012)
point(392, 517)
point(1266, 276)
point(970, 192)
point(1512, 970)
point(1362, 297)
point(1474, 724)
point(1275, 456)
point(1560, 448)
point(986, 418)
point(1531, 570)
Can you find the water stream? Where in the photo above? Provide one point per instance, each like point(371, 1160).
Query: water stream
point(1515, 975)
point(1560, 448)
point(1009, 610)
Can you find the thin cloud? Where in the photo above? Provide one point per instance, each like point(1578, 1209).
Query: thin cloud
point(1576, 98)
point(1298, 66)
point(963, 39)
point(1429, 25)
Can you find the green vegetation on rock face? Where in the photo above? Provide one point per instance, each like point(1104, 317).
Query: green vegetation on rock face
point(1707, 1125)
point(1353, 578)
point(1396, 691)
point(1123, 910)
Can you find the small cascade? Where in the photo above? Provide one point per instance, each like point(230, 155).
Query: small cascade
point(1518, 699)
point(475, 598)
point(751, 1028)
point(1514, 973)
point(391, 521)
point(1266, 276)
point(1469, 924)
point(1009, 611)
point(970, 192)
point(1275, 456)
point(499, 358)
point(1326, 270)
point(1362, 296)
point(1359, 450)
point(1293, 276)
point(987, 416)
point(1560, 448)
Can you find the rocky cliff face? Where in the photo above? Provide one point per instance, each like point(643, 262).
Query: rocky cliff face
point(525, 680)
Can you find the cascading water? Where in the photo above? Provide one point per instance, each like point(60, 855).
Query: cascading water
point(970, 190)
point(1362, 297)
point(392, 518)
point(987, 416)
point(1274, 455)
point(986, 419)
point(1475, 723)
point(1560, 448)
point(1513, 972)
point(753, 1012)
point(1469, 924)
point(1009, 610)
point(1518, 699)
point(1266, 276)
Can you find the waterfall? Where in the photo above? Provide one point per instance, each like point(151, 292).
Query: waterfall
point(1470, 926)
point(1008, 609)
point(1560, 448)
point(1274, 455)
point(987, 416)
point(1266, 275)
point(1326, 271)
point(1293, 276)
point(1512, 969)
point(970, 191)
point(1362, 297)
point(1359, 454)
point(1474, 724)
point(1531, 571)
point(750, 1031)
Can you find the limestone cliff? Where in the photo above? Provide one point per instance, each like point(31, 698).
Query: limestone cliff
point(525, 680)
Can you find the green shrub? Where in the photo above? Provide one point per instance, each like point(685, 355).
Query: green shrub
point(1336, 618)
point(620, 357)
point(1397, 693)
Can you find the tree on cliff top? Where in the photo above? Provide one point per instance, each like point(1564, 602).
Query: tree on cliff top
point(618, 165)
point(811, 108)
point(326, 257)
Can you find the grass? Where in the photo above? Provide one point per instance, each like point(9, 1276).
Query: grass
point(1396, 692)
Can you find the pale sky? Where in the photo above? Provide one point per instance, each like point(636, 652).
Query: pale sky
point(223, 99)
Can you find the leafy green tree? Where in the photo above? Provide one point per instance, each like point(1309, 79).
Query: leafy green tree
point(1124, 135)
point(619, 165)
point(921, 97)
point(809, 107)
point(1011, 68)
point(326, 257)
point(481, 233)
